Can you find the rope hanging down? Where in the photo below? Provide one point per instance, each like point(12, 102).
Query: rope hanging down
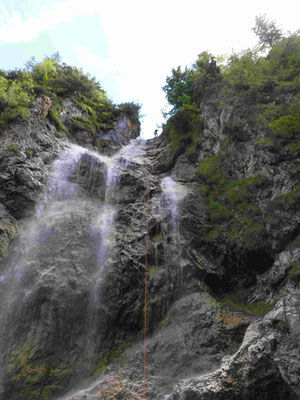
point(146, 265)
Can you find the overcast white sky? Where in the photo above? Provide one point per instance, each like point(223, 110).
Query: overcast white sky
point(131, 46)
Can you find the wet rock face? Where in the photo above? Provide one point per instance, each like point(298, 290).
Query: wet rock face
point(222, 245)
point(258, 369)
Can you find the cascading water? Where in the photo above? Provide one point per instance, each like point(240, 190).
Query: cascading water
point(71, 236)
point(40, 228)
point(103, 230)
point(59, 187)
point(172, 193)
point(170, 200)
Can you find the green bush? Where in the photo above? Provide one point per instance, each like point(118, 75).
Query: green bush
point(287, 126)
point(53, 116)
point(58, 81)
point(256, 308)
point(13, 147)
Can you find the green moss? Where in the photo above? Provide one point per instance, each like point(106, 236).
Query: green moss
point(291, 196)
point(11, 114)
point(227, 202)
point(282, 325)
point(256, 308)
point(101, 365)
point(234, 233)
point(245, 230)
point(293, 148)
point(85, 107)
point(53, 116)
point(210, 168)
point(60, 134)
point(213, 234)
point(10, 228)
point(203, 189)
point(3, 246)
point(295, 268)
point(29, 153)
point(115, 353)
point(157, 238)
point(264, 142)
point(184, 132)
point(287, 125)
point(153, 270)
point(243, 207)
point(168, 319)
point(238, 189)
point(35, 381)
point(84, 123)
point(194, 136)
point(13, 147)
point(218, 210)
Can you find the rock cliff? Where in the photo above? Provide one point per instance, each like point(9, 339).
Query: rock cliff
point(223, 310)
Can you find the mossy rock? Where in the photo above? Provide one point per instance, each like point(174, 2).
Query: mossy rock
point(13, 147)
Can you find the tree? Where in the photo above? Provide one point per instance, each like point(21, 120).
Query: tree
point(178, 88)
point(267, 31)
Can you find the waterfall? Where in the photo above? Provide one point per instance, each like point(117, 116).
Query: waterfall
point(59, 188)
point(172, 194)
point(170, 200)
point(57, 268)
point(103, 229)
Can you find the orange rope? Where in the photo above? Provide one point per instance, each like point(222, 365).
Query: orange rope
point(146, 265)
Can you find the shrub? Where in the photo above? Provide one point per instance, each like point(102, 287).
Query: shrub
point(53, 116)
point(13, 147)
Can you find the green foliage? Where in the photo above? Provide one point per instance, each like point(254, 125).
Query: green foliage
point(287, 126)
point(295, 268)
point(32, 381)
point(282, 325)
point(131, 110)
point(60, 134)
point(58, 81)
point(267, 31)
point(17, 92)
point(256, 308)
point(15, 97)
point(157, 238)
point(210, 169)
point(13, 147)
point(228, 202)
point(263, 142)
point(213, 234)
point(245, 71)
point(99, 114)
point(290, 197)
point(115, 353)
point(248, 81)
point(83, 123)
point(184, 129)
point(53, 116)
point(169, 318)
point(189, 87)
point(8, 231)
point(44, 72)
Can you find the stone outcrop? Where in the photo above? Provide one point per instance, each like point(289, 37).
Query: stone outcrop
point(223, 264)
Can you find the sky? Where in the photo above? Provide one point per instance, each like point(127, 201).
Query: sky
point(131, 46)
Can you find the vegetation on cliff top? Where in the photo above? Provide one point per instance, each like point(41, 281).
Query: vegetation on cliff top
point(261, 88)
point(261, 84)
point(58, 81)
